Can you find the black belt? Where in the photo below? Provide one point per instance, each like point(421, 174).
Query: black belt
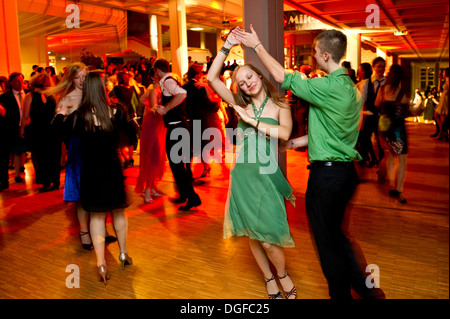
point(329, 164)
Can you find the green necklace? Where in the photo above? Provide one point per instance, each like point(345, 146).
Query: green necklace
point(259, 112)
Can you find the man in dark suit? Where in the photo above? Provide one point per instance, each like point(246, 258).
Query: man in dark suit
point(173, 112)
point(200, 105)
point(11, 102)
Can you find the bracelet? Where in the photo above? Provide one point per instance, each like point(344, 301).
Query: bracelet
point(254, 48)
point(225, 50)
point(292, 144)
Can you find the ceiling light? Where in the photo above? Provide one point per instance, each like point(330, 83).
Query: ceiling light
point(224, 34)
point(196, 29)
point(401, 32)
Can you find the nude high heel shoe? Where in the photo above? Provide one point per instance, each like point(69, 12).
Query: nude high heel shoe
point(125, 260)
point(103, 274)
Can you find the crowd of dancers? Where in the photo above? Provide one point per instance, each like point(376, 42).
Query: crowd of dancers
point(94, 120)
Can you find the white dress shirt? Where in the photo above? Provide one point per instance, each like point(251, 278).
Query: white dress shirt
point(170, 88)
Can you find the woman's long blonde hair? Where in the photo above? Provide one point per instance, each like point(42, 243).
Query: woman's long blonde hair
point(244, 100)
point(67, 82)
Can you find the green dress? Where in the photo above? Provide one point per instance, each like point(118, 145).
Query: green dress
point(258, 189)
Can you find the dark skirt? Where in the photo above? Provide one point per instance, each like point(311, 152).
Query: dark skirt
point(395, 139)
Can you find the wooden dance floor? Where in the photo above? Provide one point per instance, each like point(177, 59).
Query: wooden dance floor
point(182, 255)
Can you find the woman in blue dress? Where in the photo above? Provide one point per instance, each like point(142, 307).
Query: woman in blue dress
point(69, 92)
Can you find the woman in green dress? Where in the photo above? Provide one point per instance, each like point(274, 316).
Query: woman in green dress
point(256, 197)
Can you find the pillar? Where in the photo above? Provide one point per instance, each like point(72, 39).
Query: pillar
point(202, 40)
point(160, 42)
point(353, 49)
point(154, 34)
point(178, 36)
point(10, 58)
point(267, 18)
point(156, 47)
point(34, 51)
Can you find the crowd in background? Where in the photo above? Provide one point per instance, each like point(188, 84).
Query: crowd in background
point(127, 82)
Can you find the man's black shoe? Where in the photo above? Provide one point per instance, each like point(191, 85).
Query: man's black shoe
point(193, 202)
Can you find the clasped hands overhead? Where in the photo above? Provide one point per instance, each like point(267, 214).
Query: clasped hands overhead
point(249, 39)
point(240, 36)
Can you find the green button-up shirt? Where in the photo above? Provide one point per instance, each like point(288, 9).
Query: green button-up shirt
point(333, 115)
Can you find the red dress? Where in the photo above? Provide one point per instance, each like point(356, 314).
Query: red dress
point(152, 148)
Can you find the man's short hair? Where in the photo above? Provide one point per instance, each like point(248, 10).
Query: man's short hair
point(193, 70)
point(378, 60)
point(14, 75)
point(162, 64)
point(334, 42)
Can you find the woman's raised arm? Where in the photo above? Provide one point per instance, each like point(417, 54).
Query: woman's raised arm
point(216, 67)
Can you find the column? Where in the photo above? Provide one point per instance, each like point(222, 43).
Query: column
point(436, 74)
point(154, 34)
point(34, 51)
point(178, 36)
point(202, 40)
point(10, 60)
point(160, 42)
point(353, 49)
point(267, 19)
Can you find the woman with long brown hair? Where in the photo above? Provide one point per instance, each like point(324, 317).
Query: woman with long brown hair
point(256, 199)
point(102, 187)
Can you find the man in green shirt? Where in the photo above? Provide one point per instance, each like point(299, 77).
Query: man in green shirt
point(333, 131)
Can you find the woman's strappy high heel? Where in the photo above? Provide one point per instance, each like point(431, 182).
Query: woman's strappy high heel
point(397, 195)
point(292, 292)
point(85, 246)
point(147, 196)
point(273, 296)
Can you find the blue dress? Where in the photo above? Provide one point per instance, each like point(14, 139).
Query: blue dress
point(73, 170)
